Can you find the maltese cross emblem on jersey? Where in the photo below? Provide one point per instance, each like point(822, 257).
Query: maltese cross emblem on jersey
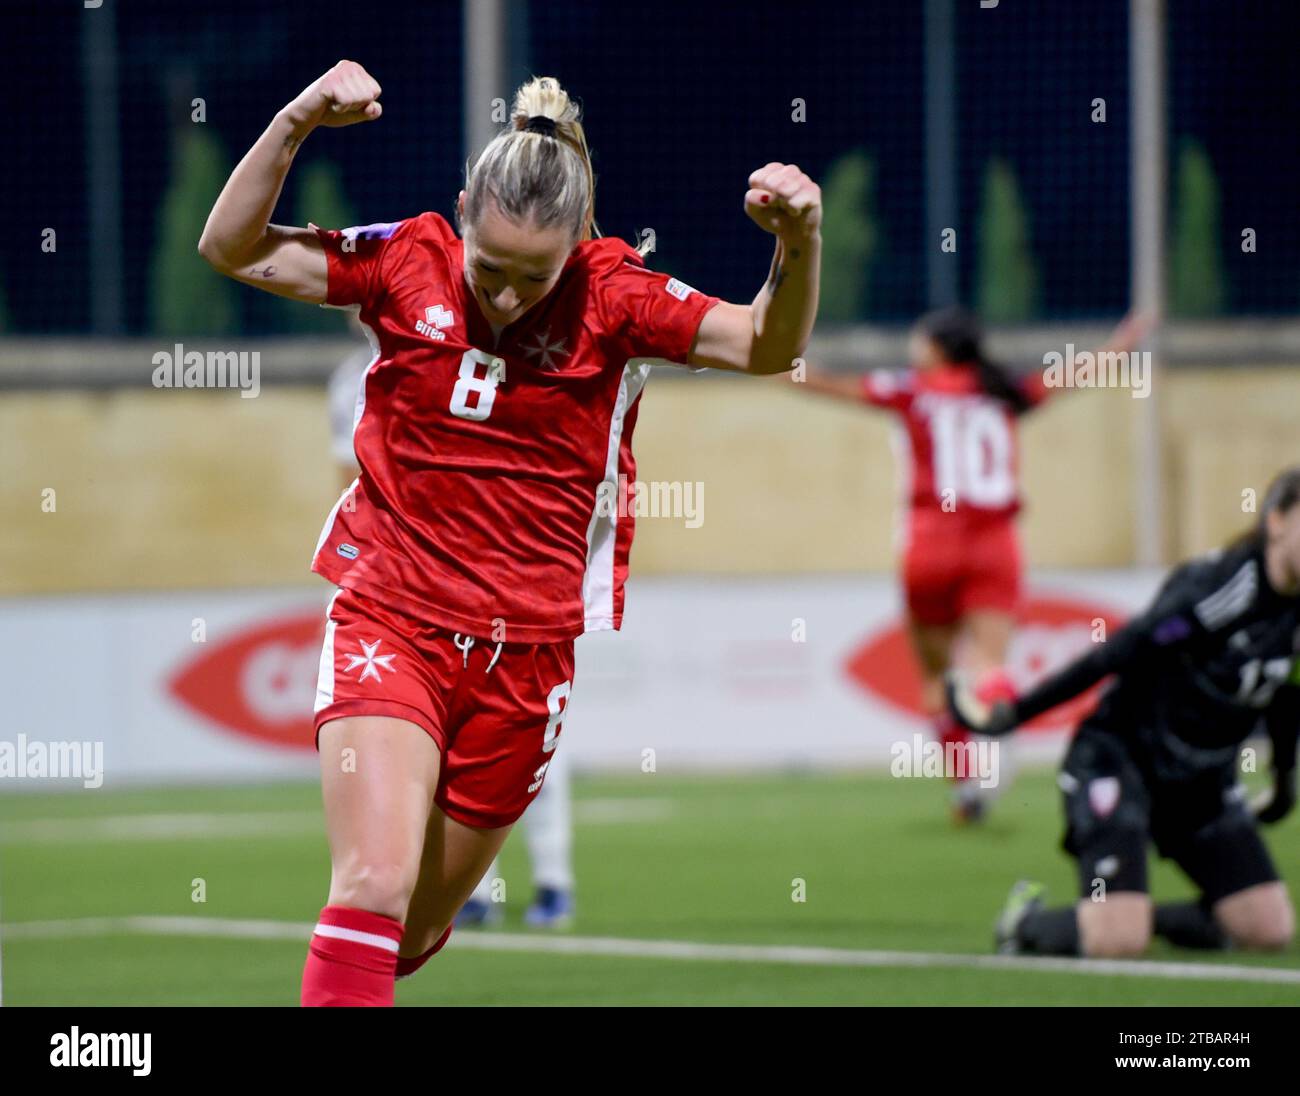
point(370, 662)
point(543, 351)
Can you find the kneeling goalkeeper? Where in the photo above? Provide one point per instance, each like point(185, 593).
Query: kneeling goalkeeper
point(1217, 652)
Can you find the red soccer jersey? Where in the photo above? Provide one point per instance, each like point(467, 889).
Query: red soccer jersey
point(480, 504)
point(962, 447)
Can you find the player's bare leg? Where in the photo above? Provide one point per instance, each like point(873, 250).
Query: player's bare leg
point(378, 777)
point(479, 909)
point(1118, 928)
point(933, 644)
point(985, 640)
point(1260, 917)
point(987, 634)
point(454, 859)
point(548, 830)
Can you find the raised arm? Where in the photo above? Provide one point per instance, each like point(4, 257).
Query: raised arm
point(839, 386)
point(769, 334)
point(1170, 622)
point(238, 239)
point(988, 712)
point(1128, 333)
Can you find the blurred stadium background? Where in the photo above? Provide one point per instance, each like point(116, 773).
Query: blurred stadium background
point(1090, 154)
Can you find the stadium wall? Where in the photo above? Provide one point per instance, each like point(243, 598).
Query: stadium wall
point(165, 489)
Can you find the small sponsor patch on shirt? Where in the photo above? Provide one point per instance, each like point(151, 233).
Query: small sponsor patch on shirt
point(348, 551)
point(680, 290)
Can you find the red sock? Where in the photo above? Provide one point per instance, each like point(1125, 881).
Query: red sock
point(949, 732)
point(407, 967)
point(352, 959)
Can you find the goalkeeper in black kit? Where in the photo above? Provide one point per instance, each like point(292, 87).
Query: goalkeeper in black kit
point(1215, 655)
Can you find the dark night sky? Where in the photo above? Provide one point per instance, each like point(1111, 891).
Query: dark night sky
point(682, 101)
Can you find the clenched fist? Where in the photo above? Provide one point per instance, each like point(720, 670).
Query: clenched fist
point(345, 95)
point(782, 200)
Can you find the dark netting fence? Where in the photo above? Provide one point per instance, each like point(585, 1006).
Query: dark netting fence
point(1007, 125)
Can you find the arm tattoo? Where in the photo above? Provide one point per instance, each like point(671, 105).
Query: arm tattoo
point(267, 271)
point(292, 142)
point(778, 274)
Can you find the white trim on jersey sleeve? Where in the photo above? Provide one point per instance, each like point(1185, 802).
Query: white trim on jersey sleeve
point(602, 532)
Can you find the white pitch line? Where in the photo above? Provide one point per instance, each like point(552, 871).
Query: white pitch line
point(191, 825)
point(176, 826)
point(216, 927)
point(604, 812)
point(616, 947)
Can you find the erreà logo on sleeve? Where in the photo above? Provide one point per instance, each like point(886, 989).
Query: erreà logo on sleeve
point(680, 290)
point(120, 1050)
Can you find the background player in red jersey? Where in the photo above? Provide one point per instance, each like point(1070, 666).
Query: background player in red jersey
point(961, 557)
point(473, 547)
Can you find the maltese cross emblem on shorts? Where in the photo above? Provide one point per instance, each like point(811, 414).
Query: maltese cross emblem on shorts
point(370, 661)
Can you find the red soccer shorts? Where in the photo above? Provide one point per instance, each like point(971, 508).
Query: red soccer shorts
point(495, 710)
point(955, 564)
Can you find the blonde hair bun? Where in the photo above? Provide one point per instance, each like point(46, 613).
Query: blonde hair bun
point(540, 174)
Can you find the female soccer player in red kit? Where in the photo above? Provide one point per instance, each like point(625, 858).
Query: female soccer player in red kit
point(471, 550)
point(961, 560)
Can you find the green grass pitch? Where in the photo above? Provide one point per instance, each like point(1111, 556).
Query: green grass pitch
point(710, 860)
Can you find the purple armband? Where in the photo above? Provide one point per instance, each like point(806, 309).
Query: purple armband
point(1172, 630)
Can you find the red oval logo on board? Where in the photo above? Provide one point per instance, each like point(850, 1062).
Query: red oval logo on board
point(259, 683)
point(1050, 632)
